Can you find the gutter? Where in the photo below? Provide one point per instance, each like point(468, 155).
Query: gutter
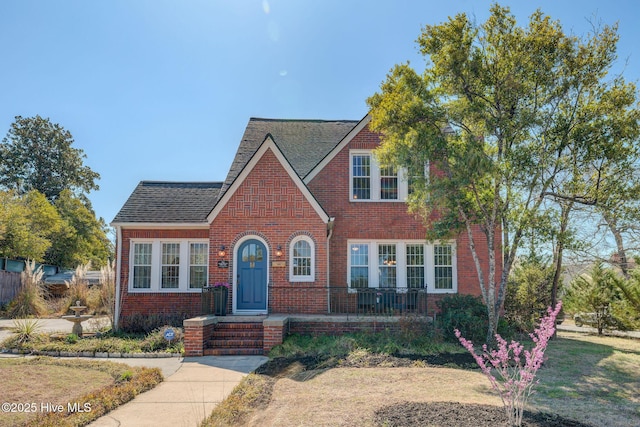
point(116, 313)
point(330, 226)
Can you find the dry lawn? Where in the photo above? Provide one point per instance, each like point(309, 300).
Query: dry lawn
point(592, 379)
point(350, 396)
point(22, 383)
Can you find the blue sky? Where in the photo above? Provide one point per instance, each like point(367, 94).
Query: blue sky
point(162, 90)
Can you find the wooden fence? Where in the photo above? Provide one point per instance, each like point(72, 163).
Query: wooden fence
point(9, 286)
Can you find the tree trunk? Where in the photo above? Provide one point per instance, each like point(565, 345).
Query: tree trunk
point(564, 223)
point(612, 223)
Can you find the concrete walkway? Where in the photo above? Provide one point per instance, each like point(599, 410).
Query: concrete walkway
point(187, 396)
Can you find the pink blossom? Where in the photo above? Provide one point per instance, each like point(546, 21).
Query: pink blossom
point(514, 381)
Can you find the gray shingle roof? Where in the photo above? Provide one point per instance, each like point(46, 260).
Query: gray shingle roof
point(303, 142)
point(169, 202)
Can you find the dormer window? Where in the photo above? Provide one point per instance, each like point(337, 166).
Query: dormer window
point(370, 182)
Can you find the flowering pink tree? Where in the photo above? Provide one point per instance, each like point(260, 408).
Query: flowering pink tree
point(515, 367)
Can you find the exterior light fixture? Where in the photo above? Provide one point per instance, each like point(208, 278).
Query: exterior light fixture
point(279, 251)
point(222, 252)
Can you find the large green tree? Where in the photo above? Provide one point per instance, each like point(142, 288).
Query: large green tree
point(27, 223)
point(39, 155)
point(502, 113)
point(81, 239)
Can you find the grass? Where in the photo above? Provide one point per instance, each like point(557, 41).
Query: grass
point(593, 378)
point(588, 378)
point(98, 387)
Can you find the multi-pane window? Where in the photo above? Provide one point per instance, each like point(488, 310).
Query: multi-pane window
point(388, 183)
point(372, 182)
point(361, 165)
point(170, 265)
point(415, 266)
point(387, 266)
point(359, 273)
point(198, 265)
point(443, 264)
point(403, 265)
point(301, 259)
point(142, 265)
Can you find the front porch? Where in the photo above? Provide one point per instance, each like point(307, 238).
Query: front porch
point(256, 335)
point(301, 299)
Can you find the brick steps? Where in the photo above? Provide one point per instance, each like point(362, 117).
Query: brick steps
point(233, 352)
point(235, 339)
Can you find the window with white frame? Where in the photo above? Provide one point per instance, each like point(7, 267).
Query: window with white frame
point(415, 266)
point(198, 267)
point(141, 266)
point(361, 176)
point(402, 265)
point(371, 182)
point(387, 265)
point(359, 265)
point(443, 264)
point(302, 259)
point(169, 265)
point(388, 183)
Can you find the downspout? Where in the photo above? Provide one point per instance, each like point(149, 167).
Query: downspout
point(118, 271)
point(330, 225)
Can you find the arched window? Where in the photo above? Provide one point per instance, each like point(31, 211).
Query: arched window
point(302, 260)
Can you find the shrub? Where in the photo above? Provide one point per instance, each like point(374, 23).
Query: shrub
point(78, 288)
point(26, 330)
point(155, 340)
point(528, 294)
point(598, 293)
point(145, 323)
point(466, 313)
point(108, 291)
point(30, 301)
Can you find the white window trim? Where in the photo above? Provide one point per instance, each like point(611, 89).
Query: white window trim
point(401, 261)
point(156, 266)
point(312, 276)
point(375, 177)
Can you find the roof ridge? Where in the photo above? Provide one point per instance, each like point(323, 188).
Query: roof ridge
point(146, 181)
point(266, 119)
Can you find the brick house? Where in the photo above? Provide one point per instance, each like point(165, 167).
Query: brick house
point(306, 222)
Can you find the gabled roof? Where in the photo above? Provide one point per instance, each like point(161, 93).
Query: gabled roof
point(303, 142)
point(161, 202)
point(268, 144)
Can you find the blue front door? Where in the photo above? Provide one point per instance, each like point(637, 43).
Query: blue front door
point(252, 276)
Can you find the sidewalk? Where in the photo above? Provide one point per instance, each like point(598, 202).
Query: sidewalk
point(187, 396)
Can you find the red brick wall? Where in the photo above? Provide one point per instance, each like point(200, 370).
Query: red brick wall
point(175, 303)
point(378, 220)
point(268, 204)
point(338, 328)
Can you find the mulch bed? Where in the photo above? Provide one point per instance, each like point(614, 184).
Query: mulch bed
point(410, 414)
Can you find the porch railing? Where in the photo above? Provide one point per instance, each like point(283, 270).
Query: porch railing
point(300, 299)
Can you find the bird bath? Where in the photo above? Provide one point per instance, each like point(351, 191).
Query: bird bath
point(77, 318)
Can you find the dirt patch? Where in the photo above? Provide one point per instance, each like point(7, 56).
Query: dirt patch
point(411, 414)
point(382, 390)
